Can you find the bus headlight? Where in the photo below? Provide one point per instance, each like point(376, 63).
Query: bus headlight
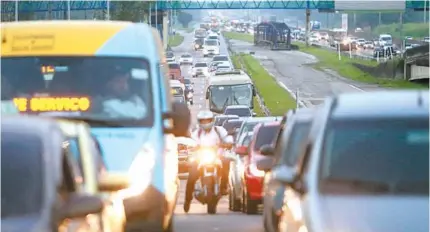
point(140, 172)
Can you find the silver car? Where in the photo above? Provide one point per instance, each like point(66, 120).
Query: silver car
point(364, 166)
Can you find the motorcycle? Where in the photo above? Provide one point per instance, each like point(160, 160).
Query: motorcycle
point(207, 189)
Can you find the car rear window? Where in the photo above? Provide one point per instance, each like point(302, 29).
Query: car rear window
point(220, 58)
point(21, 174)
point(232, 125)
point(174, 66)
point(241, 112)
point(169, 55)
point(394, 152)
point(265, 135)
point(186, 56)
point(201, 65)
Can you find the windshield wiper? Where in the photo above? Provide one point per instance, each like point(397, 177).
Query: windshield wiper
point(94, 121)
point(360, 185)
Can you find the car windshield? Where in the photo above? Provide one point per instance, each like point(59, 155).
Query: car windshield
point(223, 96)
point(241, 112)
point(220, 120)
point(220, 58)
point(177, 91)
point(170, 55)
point(211, 42)
point(222, 67)
point(390, 154)
point(179, 99)
point(100, 88)
point(232, 125)
point(174, 66)
point(296, 137)
point(187, 81)
point(201, 65)
point(213, 37)
point(266, 136)
point(21, 175)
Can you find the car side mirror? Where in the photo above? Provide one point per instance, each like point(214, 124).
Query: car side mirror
point(284, 174)
point(79, 206)
point(111, 182)
point(180, 117)
point(267, 150)
point(265, 164)
point(242, 150)
point(254, 114)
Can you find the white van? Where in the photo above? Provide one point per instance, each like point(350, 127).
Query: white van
point(385, 40)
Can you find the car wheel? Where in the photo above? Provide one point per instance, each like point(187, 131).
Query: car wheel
point(249, 206)
point(236, 204)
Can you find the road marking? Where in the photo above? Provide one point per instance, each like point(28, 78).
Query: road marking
point(293, 95)
point(355, 87)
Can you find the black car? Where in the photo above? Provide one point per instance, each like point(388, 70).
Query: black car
point(39, 186)
point(198, 44)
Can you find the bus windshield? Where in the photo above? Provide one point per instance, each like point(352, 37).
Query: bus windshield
point(222, 96)
point(100, 88)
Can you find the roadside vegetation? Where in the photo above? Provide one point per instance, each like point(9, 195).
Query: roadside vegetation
point(416, 30)
point(175, 40)
point(257, 109)
point(276, 98)
point(239, 36)
point(344, 67)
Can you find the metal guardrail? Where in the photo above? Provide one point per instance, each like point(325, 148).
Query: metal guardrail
point(260, 99)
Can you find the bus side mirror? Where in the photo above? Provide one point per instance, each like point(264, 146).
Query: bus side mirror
point(254, 92)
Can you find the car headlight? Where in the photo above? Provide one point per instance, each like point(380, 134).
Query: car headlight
point(254, 171)
point(140, 172)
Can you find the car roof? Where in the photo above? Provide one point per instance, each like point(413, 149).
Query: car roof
point(261, 119)
point(237, 107)
point(394, 103)
point(226, 116)
point(46, 129)
point(229, 79)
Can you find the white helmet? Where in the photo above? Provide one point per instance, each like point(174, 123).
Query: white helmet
point(206, 119)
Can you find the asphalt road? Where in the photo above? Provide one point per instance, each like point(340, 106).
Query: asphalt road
point(293, 71)
point(197, 219)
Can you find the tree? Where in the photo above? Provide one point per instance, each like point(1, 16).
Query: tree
point(134, 11)
point(184, 18)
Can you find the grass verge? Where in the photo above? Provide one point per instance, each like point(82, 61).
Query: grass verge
point(416, 30)
point(239, 36)
point(175, 40)
point(276, 98)
point(345, 68)
point(257, 109)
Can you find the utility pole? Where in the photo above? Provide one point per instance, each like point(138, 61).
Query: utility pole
point(401, 28)
point(308, 17)
point(380, 19)
point(50, 10)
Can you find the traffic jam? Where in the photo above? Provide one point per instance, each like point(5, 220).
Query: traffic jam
point(101, 133)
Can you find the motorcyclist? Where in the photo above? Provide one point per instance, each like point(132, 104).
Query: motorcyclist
point(206, 135)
